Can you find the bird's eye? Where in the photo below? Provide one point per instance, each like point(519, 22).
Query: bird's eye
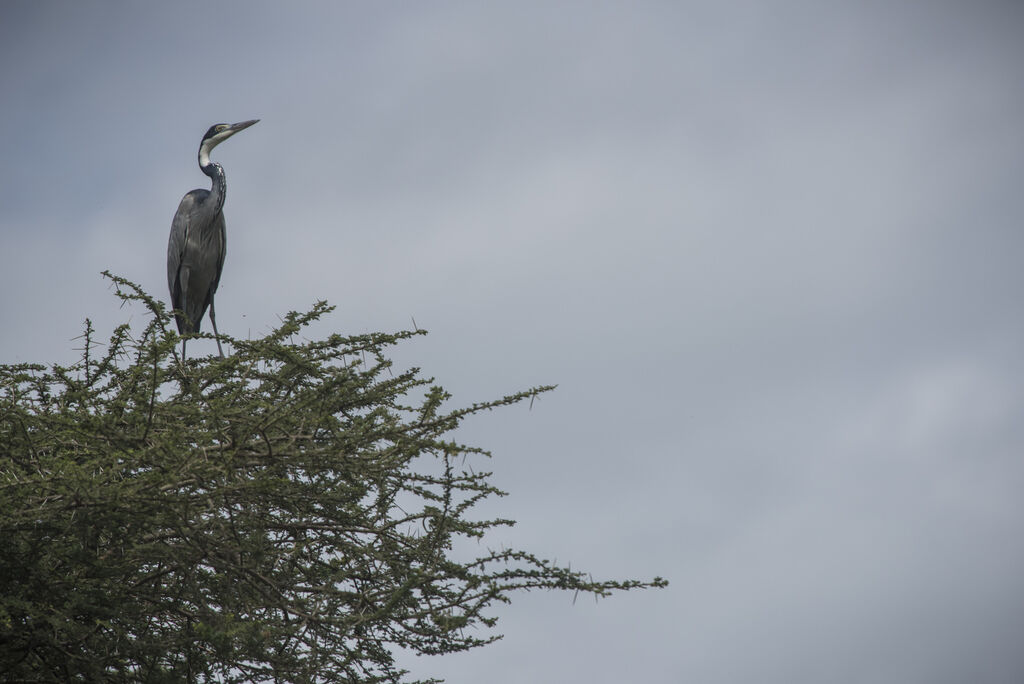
point(221, 127)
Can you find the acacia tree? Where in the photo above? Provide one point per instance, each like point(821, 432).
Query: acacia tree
point(284, 514)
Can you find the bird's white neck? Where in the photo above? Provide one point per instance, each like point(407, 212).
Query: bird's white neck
point(204, 156)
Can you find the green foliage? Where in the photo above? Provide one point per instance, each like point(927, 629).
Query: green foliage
point(286, 513)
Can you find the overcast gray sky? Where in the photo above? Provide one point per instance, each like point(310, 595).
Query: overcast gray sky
point(770, 252)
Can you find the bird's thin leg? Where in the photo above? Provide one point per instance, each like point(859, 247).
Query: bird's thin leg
point(216, 335)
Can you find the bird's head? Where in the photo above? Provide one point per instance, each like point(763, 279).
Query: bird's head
point(217, 134)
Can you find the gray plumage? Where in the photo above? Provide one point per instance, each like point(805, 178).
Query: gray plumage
point(198, 243)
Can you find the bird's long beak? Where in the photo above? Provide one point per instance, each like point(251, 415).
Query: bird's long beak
point(242, 125)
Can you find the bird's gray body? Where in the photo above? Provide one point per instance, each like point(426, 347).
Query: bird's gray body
point(198, 241)
point(195, 257)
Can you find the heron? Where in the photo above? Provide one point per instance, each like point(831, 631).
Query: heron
point(197, 245)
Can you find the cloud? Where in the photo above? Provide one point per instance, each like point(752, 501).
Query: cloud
point(771, 255)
